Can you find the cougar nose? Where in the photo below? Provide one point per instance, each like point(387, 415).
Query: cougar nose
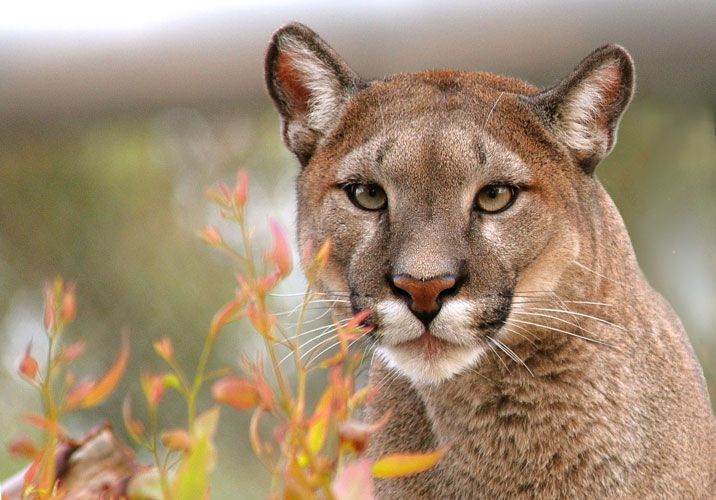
point(424, 296)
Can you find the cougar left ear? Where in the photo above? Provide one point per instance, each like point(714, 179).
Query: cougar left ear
point(309, 84)
point(584, 109)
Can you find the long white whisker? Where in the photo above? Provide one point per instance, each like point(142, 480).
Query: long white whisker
point(578, 314)
point(523, 336)
point(561, 320)
point(510, 353)
point(498, 356)
point(596, 273)
point(561, 331)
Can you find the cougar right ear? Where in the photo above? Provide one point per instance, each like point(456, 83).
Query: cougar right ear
point(309, 84)
point(584, 109)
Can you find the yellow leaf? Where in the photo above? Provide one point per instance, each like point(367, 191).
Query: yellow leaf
point(317, 430)
point(400, 465)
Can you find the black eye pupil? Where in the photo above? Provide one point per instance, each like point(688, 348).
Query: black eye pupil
point(492, 192)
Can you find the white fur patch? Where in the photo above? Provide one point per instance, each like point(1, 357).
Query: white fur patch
point(430, 372)
point(397, 323)
point(398, 326)
point(326, 93)
point(579, 112)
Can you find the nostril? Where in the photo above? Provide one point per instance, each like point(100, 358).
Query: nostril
point(452, 290)
point(424, 297)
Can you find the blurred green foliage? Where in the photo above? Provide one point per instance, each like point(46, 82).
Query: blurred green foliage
point(114, 203)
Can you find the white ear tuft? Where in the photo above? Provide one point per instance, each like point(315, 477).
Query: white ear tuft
point(309, 84)
point(584, 109)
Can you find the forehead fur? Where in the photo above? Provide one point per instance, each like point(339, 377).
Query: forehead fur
point(471, 97)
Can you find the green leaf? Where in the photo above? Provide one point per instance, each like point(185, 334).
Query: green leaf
point(192, 479)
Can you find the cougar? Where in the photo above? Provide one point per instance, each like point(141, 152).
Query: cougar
point(512, 324)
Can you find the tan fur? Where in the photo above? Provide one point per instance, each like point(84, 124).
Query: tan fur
point(554, 370)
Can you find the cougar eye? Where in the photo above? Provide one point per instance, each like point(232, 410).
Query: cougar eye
point(367, 196)
point(495, 198)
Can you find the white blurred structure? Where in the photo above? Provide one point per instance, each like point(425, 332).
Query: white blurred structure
point(79, 57)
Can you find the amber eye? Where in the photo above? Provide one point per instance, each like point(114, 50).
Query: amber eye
point(367, 196)
point(495, 198)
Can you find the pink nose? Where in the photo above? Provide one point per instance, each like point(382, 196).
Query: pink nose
point(424, 295)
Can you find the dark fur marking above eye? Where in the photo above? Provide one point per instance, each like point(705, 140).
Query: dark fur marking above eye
point(382, 151)
point(449, 86)
point(481, 155)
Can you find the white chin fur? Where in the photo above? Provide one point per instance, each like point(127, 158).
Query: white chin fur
point(425, 371)
point(398, 325)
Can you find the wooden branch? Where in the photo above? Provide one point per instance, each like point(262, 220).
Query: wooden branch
point(99, 466)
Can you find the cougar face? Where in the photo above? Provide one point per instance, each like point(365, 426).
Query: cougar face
point(459, 222)
point(442, 192)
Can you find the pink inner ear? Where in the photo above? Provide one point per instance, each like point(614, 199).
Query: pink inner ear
point(291, 82)
point(610, 82)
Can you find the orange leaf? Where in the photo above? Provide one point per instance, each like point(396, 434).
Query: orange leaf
point(72, 352)
point(225, 316)
point(238, 393)
point(355, 435)
point(135, 428)
point(68, 310)
point(50, 306)
point(28, 365)
point(280, 252)
point(44, 424)
point(164, 348)
point(23, 447)
point(241, 191)
point(400, 465)
point(77, 395)
point(153, 387)
point(104, 386)
point(212, 236)
point(177, 440)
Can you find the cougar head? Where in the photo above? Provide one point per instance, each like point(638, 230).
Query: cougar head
point(447, 195)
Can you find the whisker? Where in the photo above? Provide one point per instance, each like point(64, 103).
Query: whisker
point(561, 331)
point(523, 336)
point(561, 320)
point(498, 356)
point(510, 353)
point(597, 274)
point(312, 292)
point(580, 314)
point(330, 329)
point(315, 359)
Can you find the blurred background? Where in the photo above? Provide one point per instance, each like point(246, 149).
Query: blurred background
point(116, 116)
